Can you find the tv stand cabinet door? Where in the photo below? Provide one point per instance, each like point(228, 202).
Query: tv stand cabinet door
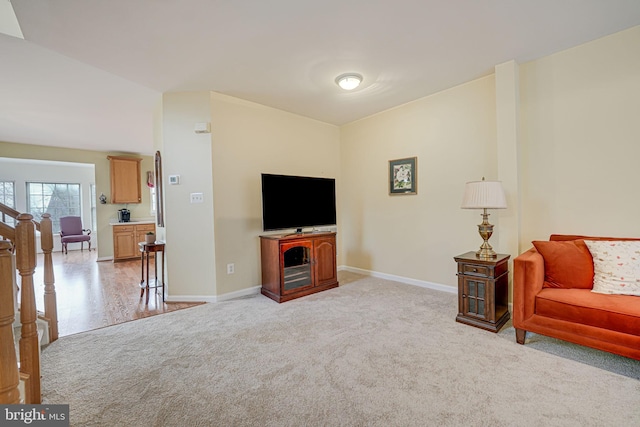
point(325, 268)
point(296, 264)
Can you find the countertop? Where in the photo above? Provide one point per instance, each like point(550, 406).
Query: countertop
point(133, 222)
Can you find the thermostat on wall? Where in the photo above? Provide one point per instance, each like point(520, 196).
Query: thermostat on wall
point(174, 179)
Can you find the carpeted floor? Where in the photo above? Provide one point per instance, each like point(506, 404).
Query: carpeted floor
point(369, 353)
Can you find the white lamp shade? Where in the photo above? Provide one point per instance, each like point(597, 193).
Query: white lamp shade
point(484, 195)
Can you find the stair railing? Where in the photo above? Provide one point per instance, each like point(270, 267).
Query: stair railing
point(50, 299)
point(22, 241)
point(9, 378)
point(29, 345)
point(45, 227)
point(7, 212)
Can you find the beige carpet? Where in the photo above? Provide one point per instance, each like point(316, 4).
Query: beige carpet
point(369, 353)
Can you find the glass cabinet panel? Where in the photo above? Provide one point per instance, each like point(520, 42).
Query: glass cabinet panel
point(297, 267)
point(475, 298)
point(472, 305)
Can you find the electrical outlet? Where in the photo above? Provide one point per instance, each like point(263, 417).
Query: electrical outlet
point(197, 198)
point(231, 268)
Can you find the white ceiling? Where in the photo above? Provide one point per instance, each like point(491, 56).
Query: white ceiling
point(89, 74)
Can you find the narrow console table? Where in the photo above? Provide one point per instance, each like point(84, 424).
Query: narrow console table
point(483, 291)
point(146, 249)
point(298, 264)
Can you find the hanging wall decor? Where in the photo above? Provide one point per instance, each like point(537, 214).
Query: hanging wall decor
point(403, 176)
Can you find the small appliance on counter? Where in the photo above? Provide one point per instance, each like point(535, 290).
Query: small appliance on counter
point(124, 215)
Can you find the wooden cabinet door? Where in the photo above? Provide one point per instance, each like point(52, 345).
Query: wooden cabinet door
point(124, 244)
point(325, 261)
point(125, 180)
point(296, 264)
point(475, 302)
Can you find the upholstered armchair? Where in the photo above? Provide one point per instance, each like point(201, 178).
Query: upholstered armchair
point(71, 231)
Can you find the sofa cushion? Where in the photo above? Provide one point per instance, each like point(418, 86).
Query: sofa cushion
point(616, 266)
point(559, 237)
point(567, 264)
point(619, 313)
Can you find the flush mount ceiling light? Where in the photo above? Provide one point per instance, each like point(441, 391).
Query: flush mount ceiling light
point(349, 81)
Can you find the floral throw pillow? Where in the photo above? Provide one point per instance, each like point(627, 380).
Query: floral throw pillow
point(616, 266)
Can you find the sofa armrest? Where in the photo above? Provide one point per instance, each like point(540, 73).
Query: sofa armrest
point(528, 279)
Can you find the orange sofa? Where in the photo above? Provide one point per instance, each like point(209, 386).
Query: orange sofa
point(552, 296)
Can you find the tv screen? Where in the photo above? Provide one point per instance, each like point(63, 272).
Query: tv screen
point(297, 202)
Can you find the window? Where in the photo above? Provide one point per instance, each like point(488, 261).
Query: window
point(152, 195)
point(7, 197)
point(56, 199)
point(94, 214)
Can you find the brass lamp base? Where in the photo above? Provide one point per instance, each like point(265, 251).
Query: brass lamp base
point(486, 230)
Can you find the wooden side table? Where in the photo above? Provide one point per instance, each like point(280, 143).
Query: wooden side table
point(146, 249)
point(483, 291)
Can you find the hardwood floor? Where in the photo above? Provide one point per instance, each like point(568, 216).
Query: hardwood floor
point(94, 294)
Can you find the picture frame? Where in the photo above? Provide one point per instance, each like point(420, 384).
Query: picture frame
point(403, 176)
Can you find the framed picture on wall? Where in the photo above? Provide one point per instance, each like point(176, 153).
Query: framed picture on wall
point(403, 176)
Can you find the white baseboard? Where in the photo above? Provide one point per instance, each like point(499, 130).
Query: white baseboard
point(401, 279)
point(191, 298)
point(105, 258)
point(239, 294)
point(214, 298)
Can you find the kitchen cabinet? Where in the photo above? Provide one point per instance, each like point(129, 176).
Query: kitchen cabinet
point(126, 237)
point(125, 179)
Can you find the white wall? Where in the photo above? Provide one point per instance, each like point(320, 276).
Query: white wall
point(250, 139)
point(562, 133)
point(246, 139)
point(190, 239)
point(21, 171)
point(453, 135)
point(581, 140)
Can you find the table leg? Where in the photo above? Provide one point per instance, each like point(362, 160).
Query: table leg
point(147, 302)
point(141, 273)
point(162, 275)
point(155, 270)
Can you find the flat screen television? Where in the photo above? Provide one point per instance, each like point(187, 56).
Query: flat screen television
point(297, 202)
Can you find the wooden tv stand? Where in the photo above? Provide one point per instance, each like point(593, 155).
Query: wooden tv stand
point(295, 265)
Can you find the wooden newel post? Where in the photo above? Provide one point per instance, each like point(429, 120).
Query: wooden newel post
point(26, 265)
point(9, 378)
point(50, 301)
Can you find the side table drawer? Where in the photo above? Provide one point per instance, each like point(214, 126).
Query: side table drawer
point(475, 270)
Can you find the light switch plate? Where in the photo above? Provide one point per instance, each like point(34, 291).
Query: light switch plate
point(174, 179)
point(202, 127)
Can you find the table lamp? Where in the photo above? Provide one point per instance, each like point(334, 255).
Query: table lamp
point(484, 195)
